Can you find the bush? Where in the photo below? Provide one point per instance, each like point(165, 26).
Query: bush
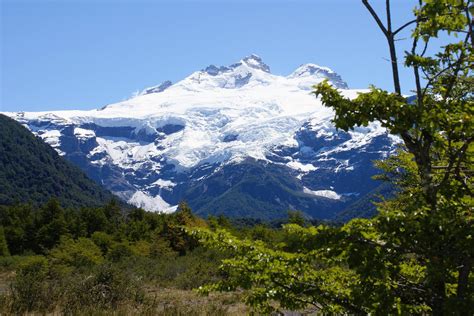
point(197, 268)
point(120, 251)
point(160, 248)
point(31, 290)
point(78, 253)
point(106, 288)
point(141, 248)
point(11, 262)
point(103, 240)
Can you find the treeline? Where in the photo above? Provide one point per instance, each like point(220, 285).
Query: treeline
point(28, 229)
point(63, 257)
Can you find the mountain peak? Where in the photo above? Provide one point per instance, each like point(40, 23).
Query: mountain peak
point(213, 70)
point(252, 61)
point(316, 71)
point(255, 61)
point(310, 69)
point(249, 69)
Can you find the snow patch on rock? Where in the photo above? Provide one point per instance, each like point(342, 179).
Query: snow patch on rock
point(147, 202)
point(323, 193)
point(301, 167)
point(82, 133)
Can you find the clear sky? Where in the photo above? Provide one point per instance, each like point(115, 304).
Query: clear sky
point(84, 54)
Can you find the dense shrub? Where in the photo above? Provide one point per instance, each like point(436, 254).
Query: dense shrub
point(106, 288)
point(103, 240)
point(31, 289)
point(76, 253)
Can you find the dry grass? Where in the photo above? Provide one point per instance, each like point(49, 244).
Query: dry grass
point(175, 301)
point(158, 301)
point(5, 278)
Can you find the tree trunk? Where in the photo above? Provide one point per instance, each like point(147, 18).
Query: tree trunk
point(394, 62)
point(463, 280)
point(439, 291)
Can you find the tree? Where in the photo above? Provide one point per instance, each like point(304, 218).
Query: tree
point(3, 243)
point(113, 213)
point(437, 133)
point(416, 255)
point(184, 214)
point(174, 229)
point(92, 220)
point(50, 224)
point(17, 222)
point(296, 217)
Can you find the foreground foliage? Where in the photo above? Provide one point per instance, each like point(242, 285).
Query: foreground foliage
point(110, 260)
point(70, 260)
point(416, 255)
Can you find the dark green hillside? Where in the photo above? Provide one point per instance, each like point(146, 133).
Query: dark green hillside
point(31, 171)
point(252, 189)
point(365, 207)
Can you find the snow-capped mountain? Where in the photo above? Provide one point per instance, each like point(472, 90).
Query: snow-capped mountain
point(232, 139)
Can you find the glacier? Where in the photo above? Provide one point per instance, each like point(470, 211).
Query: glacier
point(155, 148)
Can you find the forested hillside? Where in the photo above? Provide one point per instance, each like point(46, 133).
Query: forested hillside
point(31, 171)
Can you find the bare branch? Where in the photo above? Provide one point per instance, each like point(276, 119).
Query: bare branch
point(425, 48)
point(469, 21)
point(375, 16)
point(387, 31)
point(404, 26)
point(416, 72)
point(389, 17)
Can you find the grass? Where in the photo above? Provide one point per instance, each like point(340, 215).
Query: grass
point(157, 301)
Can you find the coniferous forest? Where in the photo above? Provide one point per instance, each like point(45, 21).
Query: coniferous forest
point(68, 247)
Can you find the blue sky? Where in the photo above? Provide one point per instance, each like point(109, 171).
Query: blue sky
point(74, 54)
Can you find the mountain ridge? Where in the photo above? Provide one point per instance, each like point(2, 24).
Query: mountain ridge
point(217, 119)
point(32, 172)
